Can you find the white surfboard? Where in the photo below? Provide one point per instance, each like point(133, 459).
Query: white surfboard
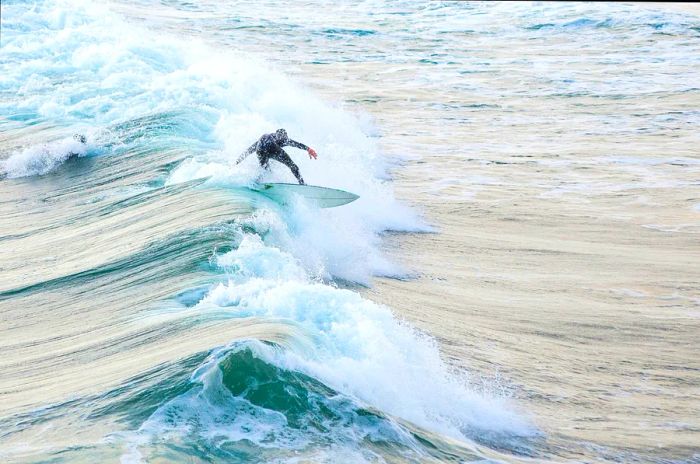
point(320, 196)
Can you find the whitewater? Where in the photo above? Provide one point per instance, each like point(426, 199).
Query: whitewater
point(156, 308)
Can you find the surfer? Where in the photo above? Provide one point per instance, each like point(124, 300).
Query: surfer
point(269, 146)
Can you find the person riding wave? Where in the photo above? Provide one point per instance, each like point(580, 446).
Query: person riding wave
point(269, 146)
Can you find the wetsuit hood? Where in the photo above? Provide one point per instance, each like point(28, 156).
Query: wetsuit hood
point(281, 136)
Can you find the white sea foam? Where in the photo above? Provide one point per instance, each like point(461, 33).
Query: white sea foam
point(108, 77)
point(42, 158)
point(354, 346)
point(342, 242)
point(360, 348)
point(116, 77)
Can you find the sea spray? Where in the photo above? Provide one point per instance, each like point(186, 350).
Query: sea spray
point(42, 158)
point(358, 358)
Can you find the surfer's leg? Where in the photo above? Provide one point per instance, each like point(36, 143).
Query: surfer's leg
point(264, 161)
point(284, 158)
point(265, 164)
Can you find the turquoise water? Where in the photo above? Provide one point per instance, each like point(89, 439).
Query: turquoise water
point(156, 309)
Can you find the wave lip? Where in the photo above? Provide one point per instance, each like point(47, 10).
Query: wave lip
point(247, 405)
point(358, 348)
point(42, 159)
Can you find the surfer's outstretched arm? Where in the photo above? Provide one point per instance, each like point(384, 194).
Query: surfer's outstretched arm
point(309, 150)
point(296, 144)
point(250, 150)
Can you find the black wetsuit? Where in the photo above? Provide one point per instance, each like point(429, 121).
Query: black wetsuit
point(270, 147)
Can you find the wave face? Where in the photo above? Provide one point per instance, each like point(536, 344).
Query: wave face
point(155, 308)
point(354, 369)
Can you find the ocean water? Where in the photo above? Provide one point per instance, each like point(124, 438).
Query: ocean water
point(154, 308)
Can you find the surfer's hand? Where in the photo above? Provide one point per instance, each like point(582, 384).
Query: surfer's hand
point(312, 153)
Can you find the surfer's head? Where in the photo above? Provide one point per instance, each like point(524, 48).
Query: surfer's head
point(281, 136)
